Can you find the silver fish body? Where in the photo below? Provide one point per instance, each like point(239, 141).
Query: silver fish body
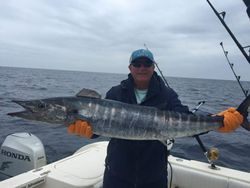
point(119, 120)
point(116, 119)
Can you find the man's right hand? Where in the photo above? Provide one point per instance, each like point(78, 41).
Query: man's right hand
point(81, 128)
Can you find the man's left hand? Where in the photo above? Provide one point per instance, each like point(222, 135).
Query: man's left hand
point(232, 120)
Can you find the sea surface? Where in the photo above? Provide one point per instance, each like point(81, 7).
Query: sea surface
point(22, 83)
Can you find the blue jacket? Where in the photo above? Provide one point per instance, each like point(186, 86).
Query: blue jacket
point(141, 161)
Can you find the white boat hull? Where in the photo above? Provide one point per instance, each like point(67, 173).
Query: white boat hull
point(85, 169)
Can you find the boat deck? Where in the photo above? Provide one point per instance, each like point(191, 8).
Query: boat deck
point(85, 169)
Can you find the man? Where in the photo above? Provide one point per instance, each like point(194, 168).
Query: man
point(142, 164)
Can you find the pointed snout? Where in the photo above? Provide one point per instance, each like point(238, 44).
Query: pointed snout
point(24, 113)
point(17, 114)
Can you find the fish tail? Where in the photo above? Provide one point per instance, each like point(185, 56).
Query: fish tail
point(243, 109)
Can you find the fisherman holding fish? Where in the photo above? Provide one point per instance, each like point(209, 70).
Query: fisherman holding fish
point(139, 115)
point(143, 163)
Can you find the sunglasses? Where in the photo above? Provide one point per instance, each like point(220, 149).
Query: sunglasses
point(138, 64)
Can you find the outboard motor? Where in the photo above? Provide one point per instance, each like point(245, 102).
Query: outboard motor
point(21, 152)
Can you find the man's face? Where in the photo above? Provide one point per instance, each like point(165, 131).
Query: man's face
point(142, 70)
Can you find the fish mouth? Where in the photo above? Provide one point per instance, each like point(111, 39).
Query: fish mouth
point(27, 111)
point(19, 114)
point(24, 104)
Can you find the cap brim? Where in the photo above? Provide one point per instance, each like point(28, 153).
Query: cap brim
point(142, 57)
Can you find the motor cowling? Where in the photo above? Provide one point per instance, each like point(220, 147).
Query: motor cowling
point(21, 152)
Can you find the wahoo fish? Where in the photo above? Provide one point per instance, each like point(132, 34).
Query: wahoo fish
point(120, 120)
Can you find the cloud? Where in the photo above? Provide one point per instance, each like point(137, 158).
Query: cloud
point(99, 35)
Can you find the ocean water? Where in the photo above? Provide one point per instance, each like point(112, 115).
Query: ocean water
point(21, 83)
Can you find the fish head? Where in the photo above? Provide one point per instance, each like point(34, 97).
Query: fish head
point(45, 110)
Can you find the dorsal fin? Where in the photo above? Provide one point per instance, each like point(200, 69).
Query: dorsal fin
point(88, 93)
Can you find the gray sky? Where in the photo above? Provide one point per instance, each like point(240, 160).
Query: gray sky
point(99, 35)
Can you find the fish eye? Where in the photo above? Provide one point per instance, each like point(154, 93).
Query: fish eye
point(41, 105)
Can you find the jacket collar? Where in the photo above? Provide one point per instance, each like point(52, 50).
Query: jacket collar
point(155, 86)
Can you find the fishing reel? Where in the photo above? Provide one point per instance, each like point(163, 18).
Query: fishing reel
point(213, 154)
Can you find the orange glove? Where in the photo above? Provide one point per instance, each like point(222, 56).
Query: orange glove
point(232, 120)
point(81, 128)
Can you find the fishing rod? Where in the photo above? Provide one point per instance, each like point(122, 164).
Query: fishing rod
point(247, 3)
point(169, 143)
point(231, 66)
point(211, 154)
point(214, 152)
point(244, 125)
point(221, 17)
point(161, 74)
point(164, 79)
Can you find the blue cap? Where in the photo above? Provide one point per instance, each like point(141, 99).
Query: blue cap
point(141, 53)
